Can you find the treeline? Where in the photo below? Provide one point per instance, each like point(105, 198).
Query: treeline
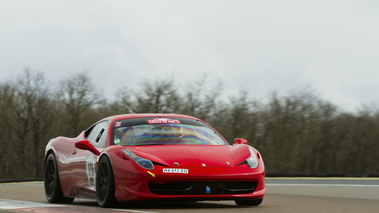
point(296, 134)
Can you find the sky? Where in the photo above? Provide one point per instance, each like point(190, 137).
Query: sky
point(330, 46)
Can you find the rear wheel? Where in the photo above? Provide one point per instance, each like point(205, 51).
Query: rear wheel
point(53, 191)
point(249, 202)
point(105, 186)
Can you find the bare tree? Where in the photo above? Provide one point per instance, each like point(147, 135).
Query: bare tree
point(158, 96)
point(7, 135)
point(297, 133)
point(77, 96)
point(26, 112)
point(203, 99)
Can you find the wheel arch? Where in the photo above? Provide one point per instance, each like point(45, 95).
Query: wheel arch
point(48, 152)
point(106, 153)
point(103, 155)
point(109, 199)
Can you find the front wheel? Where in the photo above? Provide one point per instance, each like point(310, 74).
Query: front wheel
point(105, 186)
point(249, 202)
point(53, 191)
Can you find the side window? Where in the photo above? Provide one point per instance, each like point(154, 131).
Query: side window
point(98, 134)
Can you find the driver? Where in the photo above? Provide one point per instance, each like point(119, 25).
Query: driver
point(125, 136)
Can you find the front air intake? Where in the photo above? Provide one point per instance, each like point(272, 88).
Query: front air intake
point(203, 188)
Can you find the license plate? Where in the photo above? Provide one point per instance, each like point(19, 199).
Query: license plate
point(180, 171)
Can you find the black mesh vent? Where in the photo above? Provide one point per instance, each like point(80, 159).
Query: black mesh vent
point(203, 188)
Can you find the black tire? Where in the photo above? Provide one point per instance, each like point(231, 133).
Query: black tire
point(249, 202)
point(53, 191)
point(105, 186)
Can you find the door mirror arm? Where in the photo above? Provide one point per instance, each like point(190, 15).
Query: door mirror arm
point(86, 145)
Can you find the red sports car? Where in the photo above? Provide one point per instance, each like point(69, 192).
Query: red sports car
point(152, 156)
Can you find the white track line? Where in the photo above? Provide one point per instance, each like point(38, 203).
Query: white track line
point(19, 204)
point(319, 184)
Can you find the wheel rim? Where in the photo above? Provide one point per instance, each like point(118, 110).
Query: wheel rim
point(103, 182)
point(50, 178)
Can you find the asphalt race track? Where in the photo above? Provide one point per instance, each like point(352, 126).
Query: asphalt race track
point(282, 195)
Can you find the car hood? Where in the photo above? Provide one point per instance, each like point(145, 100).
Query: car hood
point(194, 155)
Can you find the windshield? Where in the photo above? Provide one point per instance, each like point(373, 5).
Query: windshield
point(164, 131)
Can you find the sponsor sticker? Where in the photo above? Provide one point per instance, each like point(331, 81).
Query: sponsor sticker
point(118, 124)
point(163, 121)
point(90, 170)
point(180, 171)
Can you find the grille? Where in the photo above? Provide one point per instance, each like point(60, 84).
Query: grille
point(203, 188)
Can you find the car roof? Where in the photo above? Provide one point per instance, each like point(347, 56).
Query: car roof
point(147, 115)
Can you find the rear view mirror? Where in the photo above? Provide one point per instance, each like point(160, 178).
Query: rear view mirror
point(86, 145)
point(240, 141)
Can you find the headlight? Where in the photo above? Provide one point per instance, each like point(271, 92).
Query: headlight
point(252, 161)
point(142, 162)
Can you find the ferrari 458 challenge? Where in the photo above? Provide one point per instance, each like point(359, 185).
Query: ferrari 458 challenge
point(152, 156)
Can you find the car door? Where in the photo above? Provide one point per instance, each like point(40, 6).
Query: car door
point(98, 138)
point(85, 161)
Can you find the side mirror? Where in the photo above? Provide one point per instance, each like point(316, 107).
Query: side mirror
point(86, 145)
point(240, 141)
